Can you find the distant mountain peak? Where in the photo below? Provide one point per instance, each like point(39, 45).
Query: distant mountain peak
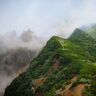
point(79, 34)
point(91, 30)
point(27, 35)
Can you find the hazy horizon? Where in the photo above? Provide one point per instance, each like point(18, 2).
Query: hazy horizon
point(46, 17)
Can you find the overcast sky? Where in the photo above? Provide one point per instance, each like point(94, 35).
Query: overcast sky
point(46, 17)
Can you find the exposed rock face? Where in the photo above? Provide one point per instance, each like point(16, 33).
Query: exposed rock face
point(71, 91)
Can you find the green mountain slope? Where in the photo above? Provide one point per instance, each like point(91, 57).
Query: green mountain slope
point(91, 30)
point(84, 40)
point(62, 66)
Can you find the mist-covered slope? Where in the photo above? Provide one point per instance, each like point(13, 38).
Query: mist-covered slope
point(91, 30)
point(14, 59)
point(3, 47)
point(12, 63)
point(16, 51)
point(64, 67)
point(84, 40)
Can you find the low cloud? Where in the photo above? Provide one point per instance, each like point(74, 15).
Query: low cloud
point(16, 52)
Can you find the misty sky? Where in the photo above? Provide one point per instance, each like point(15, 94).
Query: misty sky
point(46, 17)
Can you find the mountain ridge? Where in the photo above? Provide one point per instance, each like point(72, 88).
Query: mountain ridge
point(61, 66)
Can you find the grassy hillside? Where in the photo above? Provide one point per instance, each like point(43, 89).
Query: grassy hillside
point(62, 67)
point(91, 30)
point(84, 40)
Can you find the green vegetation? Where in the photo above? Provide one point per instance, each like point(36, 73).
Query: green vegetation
point(58, 62)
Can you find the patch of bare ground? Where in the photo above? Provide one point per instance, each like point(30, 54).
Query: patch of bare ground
point(71, 91)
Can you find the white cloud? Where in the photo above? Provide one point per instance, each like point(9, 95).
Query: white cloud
point(46, 17)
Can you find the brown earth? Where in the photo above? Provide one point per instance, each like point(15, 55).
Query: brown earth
point(71, 91)
point(39, 82)
point(76, 91)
